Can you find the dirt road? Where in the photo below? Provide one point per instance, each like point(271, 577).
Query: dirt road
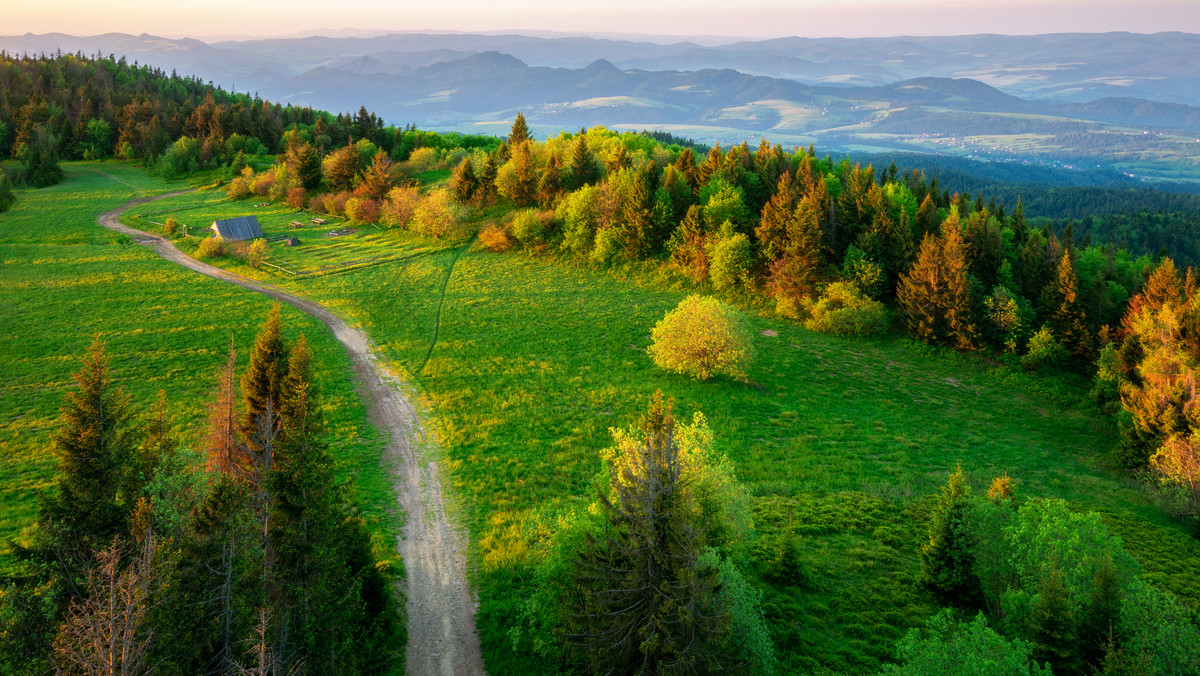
point(441, 609)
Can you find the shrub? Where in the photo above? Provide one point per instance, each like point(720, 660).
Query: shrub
point(212, 247)
point(263, 183)
point(239, 189)
point(183, 157)
point(367, 211)
point(297, 198)
point(702, 337)
point(608, 245)
point(335, 203)
point(399, 206)
point(577, 213)
point(257, 252)
point(1156, 627)
point(863, 272)
point(1044, 350)
point(352, 209)
point(171, 226)
point(844, 309)
point(730, 259)
point(316, 204)
point(949, 646)
point(495, 238)
point(528, 227)
point(422, 159)
point(437, 215)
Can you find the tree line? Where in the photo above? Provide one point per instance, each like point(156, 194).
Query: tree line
point(72, 106)
point(239, 556)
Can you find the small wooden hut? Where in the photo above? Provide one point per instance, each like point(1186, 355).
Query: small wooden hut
point(237, 229)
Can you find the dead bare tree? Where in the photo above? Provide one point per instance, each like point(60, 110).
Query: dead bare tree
point(266, 655)
point(105, 632)
point(224, 452)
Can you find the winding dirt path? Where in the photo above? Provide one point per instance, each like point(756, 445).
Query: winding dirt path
point(441, 609)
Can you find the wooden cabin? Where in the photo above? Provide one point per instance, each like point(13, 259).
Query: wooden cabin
point(237, 229)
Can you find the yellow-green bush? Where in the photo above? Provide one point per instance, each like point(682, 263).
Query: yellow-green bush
point(702, 337)
point(844, 309)
point(211, 247)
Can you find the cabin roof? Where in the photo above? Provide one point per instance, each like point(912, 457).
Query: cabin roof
point(237, 229)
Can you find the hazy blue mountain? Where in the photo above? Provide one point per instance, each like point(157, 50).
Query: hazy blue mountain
point(1068, 67)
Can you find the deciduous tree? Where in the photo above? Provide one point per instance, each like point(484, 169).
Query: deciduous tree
point(702, 337)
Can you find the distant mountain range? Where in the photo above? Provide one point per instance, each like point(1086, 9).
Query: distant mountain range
point(1069, 67)
point(1119, 99)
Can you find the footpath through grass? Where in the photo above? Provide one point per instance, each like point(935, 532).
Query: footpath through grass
point(842, 441)
point(64, 278)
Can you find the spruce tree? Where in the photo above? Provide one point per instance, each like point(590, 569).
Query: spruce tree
point(947, 564)
point(223, 450)
point(519, 132)
point(661, 220)
point(463, 184)
point(685, 164)
point(1052, 626)
point(96, 444)
point(160, 438)
point(794, 275)
point(772, 228)
point(957, 302)
point(377, 180)
point(41, 160)
point(262, 383)
point(681, 193)
point(687, 244)
point(523, 188)
point(1061, 301)
point(583, 164)
point(634, 226)
point(648, 604)
point(935, 294)
point(308, 167)
point(486, 192)
point(551, 184)
point(928, 218)
point(331, 603)
point(920, 290)
point(304, 513)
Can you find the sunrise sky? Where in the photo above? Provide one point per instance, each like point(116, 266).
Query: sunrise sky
point(748, 18)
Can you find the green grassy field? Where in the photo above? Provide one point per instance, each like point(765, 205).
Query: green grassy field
point(526, 363)
point(64, 278)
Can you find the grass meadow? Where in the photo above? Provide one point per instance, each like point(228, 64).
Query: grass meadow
point(525, 364)
point(63, 278)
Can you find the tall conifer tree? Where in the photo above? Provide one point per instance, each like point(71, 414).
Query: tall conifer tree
point(583, 164)
point(519, 132)
point(779, 210)
point(262, 383)
point(95, 443)
point(1066, 318)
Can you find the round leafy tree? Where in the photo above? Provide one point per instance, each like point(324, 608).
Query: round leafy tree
point(702, 337)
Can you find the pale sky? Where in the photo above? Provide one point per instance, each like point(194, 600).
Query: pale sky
point(748, 18)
